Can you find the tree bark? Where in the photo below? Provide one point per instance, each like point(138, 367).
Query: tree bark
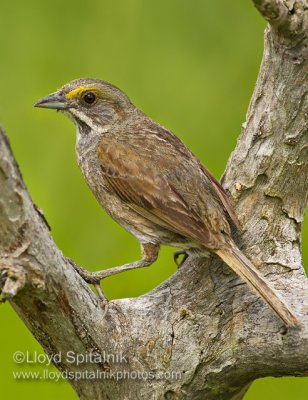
point(203, 328)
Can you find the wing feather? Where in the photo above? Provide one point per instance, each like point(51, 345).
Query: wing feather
point(224, 198)
point(153, 191)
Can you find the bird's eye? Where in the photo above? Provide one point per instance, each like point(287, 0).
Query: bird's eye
point(89, 97)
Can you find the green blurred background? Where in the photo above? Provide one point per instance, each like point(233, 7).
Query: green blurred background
point(191, 66)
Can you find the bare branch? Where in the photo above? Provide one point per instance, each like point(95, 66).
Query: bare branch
point(203, 325)
point(274, 11)
point(289, 17)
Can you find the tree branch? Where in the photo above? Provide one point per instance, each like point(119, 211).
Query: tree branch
point(289, 17)
point(203, 323)
point(274, 11)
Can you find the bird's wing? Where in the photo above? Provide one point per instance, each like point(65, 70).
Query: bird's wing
point(224, 198)
point(150, 186)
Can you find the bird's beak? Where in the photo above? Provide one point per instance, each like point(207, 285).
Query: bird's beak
point(55, 101)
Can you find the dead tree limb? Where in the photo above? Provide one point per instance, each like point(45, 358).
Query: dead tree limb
point(203, 325)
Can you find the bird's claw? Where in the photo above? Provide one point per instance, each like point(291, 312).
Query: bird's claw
point(176, 256)
point(93, 279)
point(102, 297)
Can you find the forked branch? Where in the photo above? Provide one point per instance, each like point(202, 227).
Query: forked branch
point(203, 328)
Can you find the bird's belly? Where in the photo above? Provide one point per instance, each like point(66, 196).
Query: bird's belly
point(143, 229)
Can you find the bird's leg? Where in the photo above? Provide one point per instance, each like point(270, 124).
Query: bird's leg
point(176, 256)
point(149, 255)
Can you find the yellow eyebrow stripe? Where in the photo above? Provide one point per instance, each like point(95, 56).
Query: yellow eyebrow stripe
point(77, 92)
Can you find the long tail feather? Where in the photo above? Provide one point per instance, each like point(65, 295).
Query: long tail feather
point(246, 270)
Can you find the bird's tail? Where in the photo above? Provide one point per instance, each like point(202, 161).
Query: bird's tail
point(246, 270)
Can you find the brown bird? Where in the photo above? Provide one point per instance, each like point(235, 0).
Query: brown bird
point(152, 184)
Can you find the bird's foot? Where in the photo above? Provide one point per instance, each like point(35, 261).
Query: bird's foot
point(177, 254)
point(93, 278)
point(149, 255)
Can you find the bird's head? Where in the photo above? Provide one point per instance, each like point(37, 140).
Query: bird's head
point(90, 103)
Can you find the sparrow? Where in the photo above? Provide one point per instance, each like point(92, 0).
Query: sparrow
point(151, 184)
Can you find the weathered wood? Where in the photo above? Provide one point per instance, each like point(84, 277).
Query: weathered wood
point(203, 324)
